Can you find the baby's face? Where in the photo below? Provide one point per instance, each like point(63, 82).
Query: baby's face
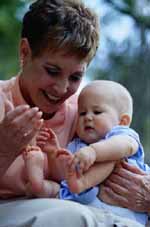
point(96, 116)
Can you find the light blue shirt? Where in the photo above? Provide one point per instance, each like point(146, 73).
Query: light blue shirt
point(90, 196)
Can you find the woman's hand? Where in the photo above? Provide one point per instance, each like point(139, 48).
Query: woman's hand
point(17, 128)
point(129, 187)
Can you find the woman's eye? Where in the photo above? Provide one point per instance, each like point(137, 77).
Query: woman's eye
point(75, 78)
point(51, 72)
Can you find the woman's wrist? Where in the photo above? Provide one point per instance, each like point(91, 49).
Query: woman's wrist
point(5, 161)
point(146, 192)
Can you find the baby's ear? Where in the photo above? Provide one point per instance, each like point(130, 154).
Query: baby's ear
point(125, 119)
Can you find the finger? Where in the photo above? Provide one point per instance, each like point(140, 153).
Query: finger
point(86, 167)
point(39, 124)
point(41, 138)
point(27, 120)
point(43, 134)
point(44, 129)
point(29, 135)
point(132, 168)
point(72, 166)
point(17, 111)
point(5, 103)
point(2, 108)
point(76, 160)
point(52, 134)
point(41, 143)
point(63, 152)
point(122, 201)
point(118, 180)
point(81, 168)
point(79, 172)
point(124, 173)
point(8, 106)
point(31, 113)
point(117, 188)
point(124, 177)
point(32, 126)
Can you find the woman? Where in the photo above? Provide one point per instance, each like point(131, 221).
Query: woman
point(58, 40)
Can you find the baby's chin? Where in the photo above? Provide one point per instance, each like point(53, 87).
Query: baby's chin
point(91, 140)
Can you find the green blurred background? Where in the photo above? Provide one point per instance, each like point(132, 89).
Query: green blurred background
point(123, 55)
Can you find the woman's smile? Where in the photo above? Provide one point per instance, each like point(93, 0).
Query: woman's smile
point(51, 98)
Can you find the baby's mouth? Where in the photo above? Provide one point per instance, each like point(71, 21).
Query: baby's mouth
point(88, 128)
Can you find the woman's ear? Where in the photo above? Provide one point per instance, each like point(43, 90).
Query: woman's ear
point(125, 119)
point(25, 51)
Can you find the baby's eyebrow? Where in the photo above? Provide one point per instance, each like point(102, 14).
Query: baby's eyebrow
point(96, 106)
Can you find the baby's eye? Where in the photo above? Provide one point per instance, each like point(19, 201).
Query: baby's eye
point(82, 113)
point(97, 112)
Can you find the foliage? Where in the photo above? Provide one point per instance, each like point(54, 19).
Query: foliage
point(10, 26)
point(128, 63)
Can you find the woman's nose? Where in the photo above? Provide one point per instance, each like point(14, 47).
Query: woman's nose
point(61, 86)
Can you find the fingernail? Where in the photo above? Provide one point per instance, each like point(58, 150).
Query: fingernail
point(40, 113)
point(35, 108)
point(27, 106)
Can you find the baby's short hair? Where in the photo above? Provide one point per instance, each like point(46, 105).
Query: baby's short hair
point(116, 94)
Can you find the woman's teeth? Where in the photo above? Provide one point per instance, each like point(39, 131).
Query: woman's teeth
point(53, 98)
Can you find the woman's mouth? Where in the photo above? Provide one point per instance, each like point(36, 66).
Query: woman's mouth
point(52, 98)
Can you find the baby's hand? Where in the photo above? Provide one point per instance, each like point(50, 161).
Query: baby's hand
point(83, 159)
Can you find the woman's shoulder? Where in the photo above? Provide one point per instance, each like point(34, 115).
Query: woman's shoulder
point(71, 105)
point(73, 100)
point(7, 85)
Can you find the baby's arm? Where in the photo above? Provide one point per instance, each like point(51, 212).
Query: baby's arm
point(114, 148)
point(95, 162)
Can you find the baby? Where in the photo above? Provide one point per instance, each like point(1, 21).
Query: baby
point(105, 111)
point(104, 116)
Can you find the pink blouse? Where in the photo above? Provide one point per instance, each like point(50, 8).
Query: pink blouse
point(63, 123)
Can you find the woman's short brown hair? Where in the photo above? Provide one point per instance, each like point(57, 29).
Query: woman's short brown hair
point(61, 25)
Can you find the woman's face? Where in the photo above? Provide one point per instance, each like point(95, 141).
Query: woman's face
point(48, 80)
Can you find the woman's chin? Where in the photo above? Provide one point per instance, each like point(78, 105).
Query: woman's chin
point(49, 110)
point(47, 116)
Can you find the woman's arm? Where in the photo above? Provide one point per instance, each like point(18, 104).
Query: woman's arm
point(129, 187)
point(17, 128)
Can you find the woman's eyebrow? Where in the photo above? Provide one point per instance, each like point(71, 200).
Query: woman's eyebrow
point(48, 64)
point(79, 73)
